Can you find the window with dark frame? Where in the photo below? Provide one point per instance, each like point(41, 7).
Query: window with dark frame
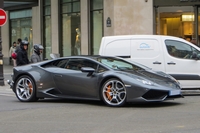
point(96, 25)
point(47, 28)
point(70, 27)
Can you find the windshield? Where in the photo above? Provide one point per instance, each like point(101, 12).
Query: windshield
point(118, 64)
point(138, 64)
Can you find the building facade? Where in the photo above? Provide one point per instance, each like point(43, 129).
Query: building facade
point(74, 27)
point(180, 18)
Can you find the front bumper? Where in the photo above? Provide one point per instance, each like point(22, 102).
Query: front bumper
point(155, 95)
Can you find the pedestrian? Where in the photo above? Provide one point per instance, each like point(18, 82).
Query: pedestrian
point(37, 51)
point(19, 40)
point(22, 56)
point(13, 55)
point(194, 41)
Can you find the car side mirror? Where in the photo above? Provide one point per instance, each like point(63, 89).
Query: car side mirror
point(88, 70)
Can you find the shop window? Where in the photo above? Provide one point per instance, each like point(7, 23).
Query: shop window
point(71, 33)
point(198, 29)
point(21, 14)
point(21, 27)
point(47, 28)
point(96, 13)
point(176, 21)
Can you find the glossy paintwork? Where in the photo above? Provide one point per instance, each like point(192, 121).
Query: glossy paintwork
point(53, 81)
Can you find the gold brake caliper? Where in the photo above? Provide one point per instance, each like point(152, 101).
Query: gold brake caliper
point(107, 92)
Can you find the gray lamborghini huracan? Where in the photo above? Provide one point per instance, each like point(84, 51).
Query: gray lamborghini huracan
point(111, 79)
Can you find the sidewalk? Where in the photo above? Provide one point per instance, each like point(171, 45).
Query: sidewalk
point(7, 71)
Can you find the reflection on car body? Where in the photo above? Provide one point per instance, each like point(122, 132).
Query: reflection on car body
point(110, 79)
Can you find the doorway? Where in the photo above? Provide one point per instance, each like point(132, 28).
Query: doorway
point(176, 21)
point(22, 28)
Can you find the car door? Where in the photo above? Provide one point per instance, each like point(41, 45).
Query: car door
point(71, 81)
point(180, 65)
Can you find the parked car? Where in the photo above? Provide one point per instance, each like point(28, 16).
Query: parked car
point(111, 79)
point(172, 55)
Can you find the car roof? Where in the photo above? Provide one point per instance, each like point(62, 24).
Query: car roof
point(89, 56)
point(92, 57)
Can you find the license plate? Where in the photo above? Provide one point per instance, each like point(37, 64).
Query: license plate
point(175, 92)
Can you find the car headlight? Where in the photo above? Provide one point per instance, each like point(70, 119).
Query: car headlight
point(172, 78)
point(146, 82)
point(169, 76)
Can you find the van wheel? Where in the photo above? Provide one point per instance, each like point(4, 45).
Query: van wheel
point(25, 89)
point(114, 92)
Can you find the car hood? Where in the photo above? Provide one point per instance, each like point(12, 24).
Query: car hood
point(157, 77)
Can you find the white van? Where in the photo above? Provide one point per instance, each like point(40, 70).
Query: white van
point(172, 55)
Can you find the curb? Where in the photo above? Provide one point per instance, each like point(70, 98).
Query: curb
point(190, 92)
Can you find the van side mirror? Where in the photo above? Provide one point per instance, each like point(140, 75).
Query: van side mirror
point(195, 56)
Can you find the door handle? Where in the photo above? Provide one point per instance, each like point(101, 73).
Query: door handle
point(171, 63)
point(58, 75)
point(156, 62)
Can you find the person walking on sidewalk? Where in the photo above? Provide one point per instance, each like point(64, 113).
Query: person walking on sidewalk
point(19, 40)
point(13, 55)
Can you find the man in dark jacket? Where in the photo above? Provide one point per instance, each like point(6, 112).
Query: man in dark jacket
point(35, 57)
point(22, 56)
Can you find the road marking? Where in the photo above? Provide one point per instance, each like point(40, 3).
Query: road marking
point(9, 95)
point(180, 126)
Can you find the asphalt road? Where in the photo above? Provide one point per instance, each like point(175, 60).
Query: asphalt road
point(75, 116)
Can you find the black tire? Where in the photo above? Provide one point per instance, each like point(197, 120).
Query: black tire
point(25, 89)
point(113, 93)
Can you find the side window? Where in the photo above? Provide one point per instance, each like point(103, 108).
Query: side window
point(196, 51)
point(76, 64)
point(61, 63)
point(88, 63)
point(101, 69)
point(179, 49)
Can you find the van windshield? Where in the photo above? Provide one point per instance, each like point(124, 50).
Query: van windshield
point(118, 64)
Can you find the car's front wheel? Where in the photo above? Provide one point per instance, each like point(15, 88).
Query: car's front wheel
point(25, 89)
point(114, 92)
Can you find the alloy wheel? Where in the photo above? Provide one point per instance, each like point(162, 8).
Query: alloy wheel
point(114, 93)
point(24, 89)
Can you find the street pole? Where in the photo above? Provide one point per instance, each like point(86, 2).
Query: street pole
point(1, 55)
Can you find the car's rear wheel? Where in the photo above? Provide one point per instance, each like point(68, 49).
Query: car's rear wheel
point(25, 89)
point(114, 92)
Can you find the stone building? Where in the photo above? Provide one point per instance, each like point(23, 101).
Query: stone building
point(59, 24)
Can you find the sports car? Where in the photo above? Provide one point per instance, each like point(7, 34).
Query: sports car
point(111, 79)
